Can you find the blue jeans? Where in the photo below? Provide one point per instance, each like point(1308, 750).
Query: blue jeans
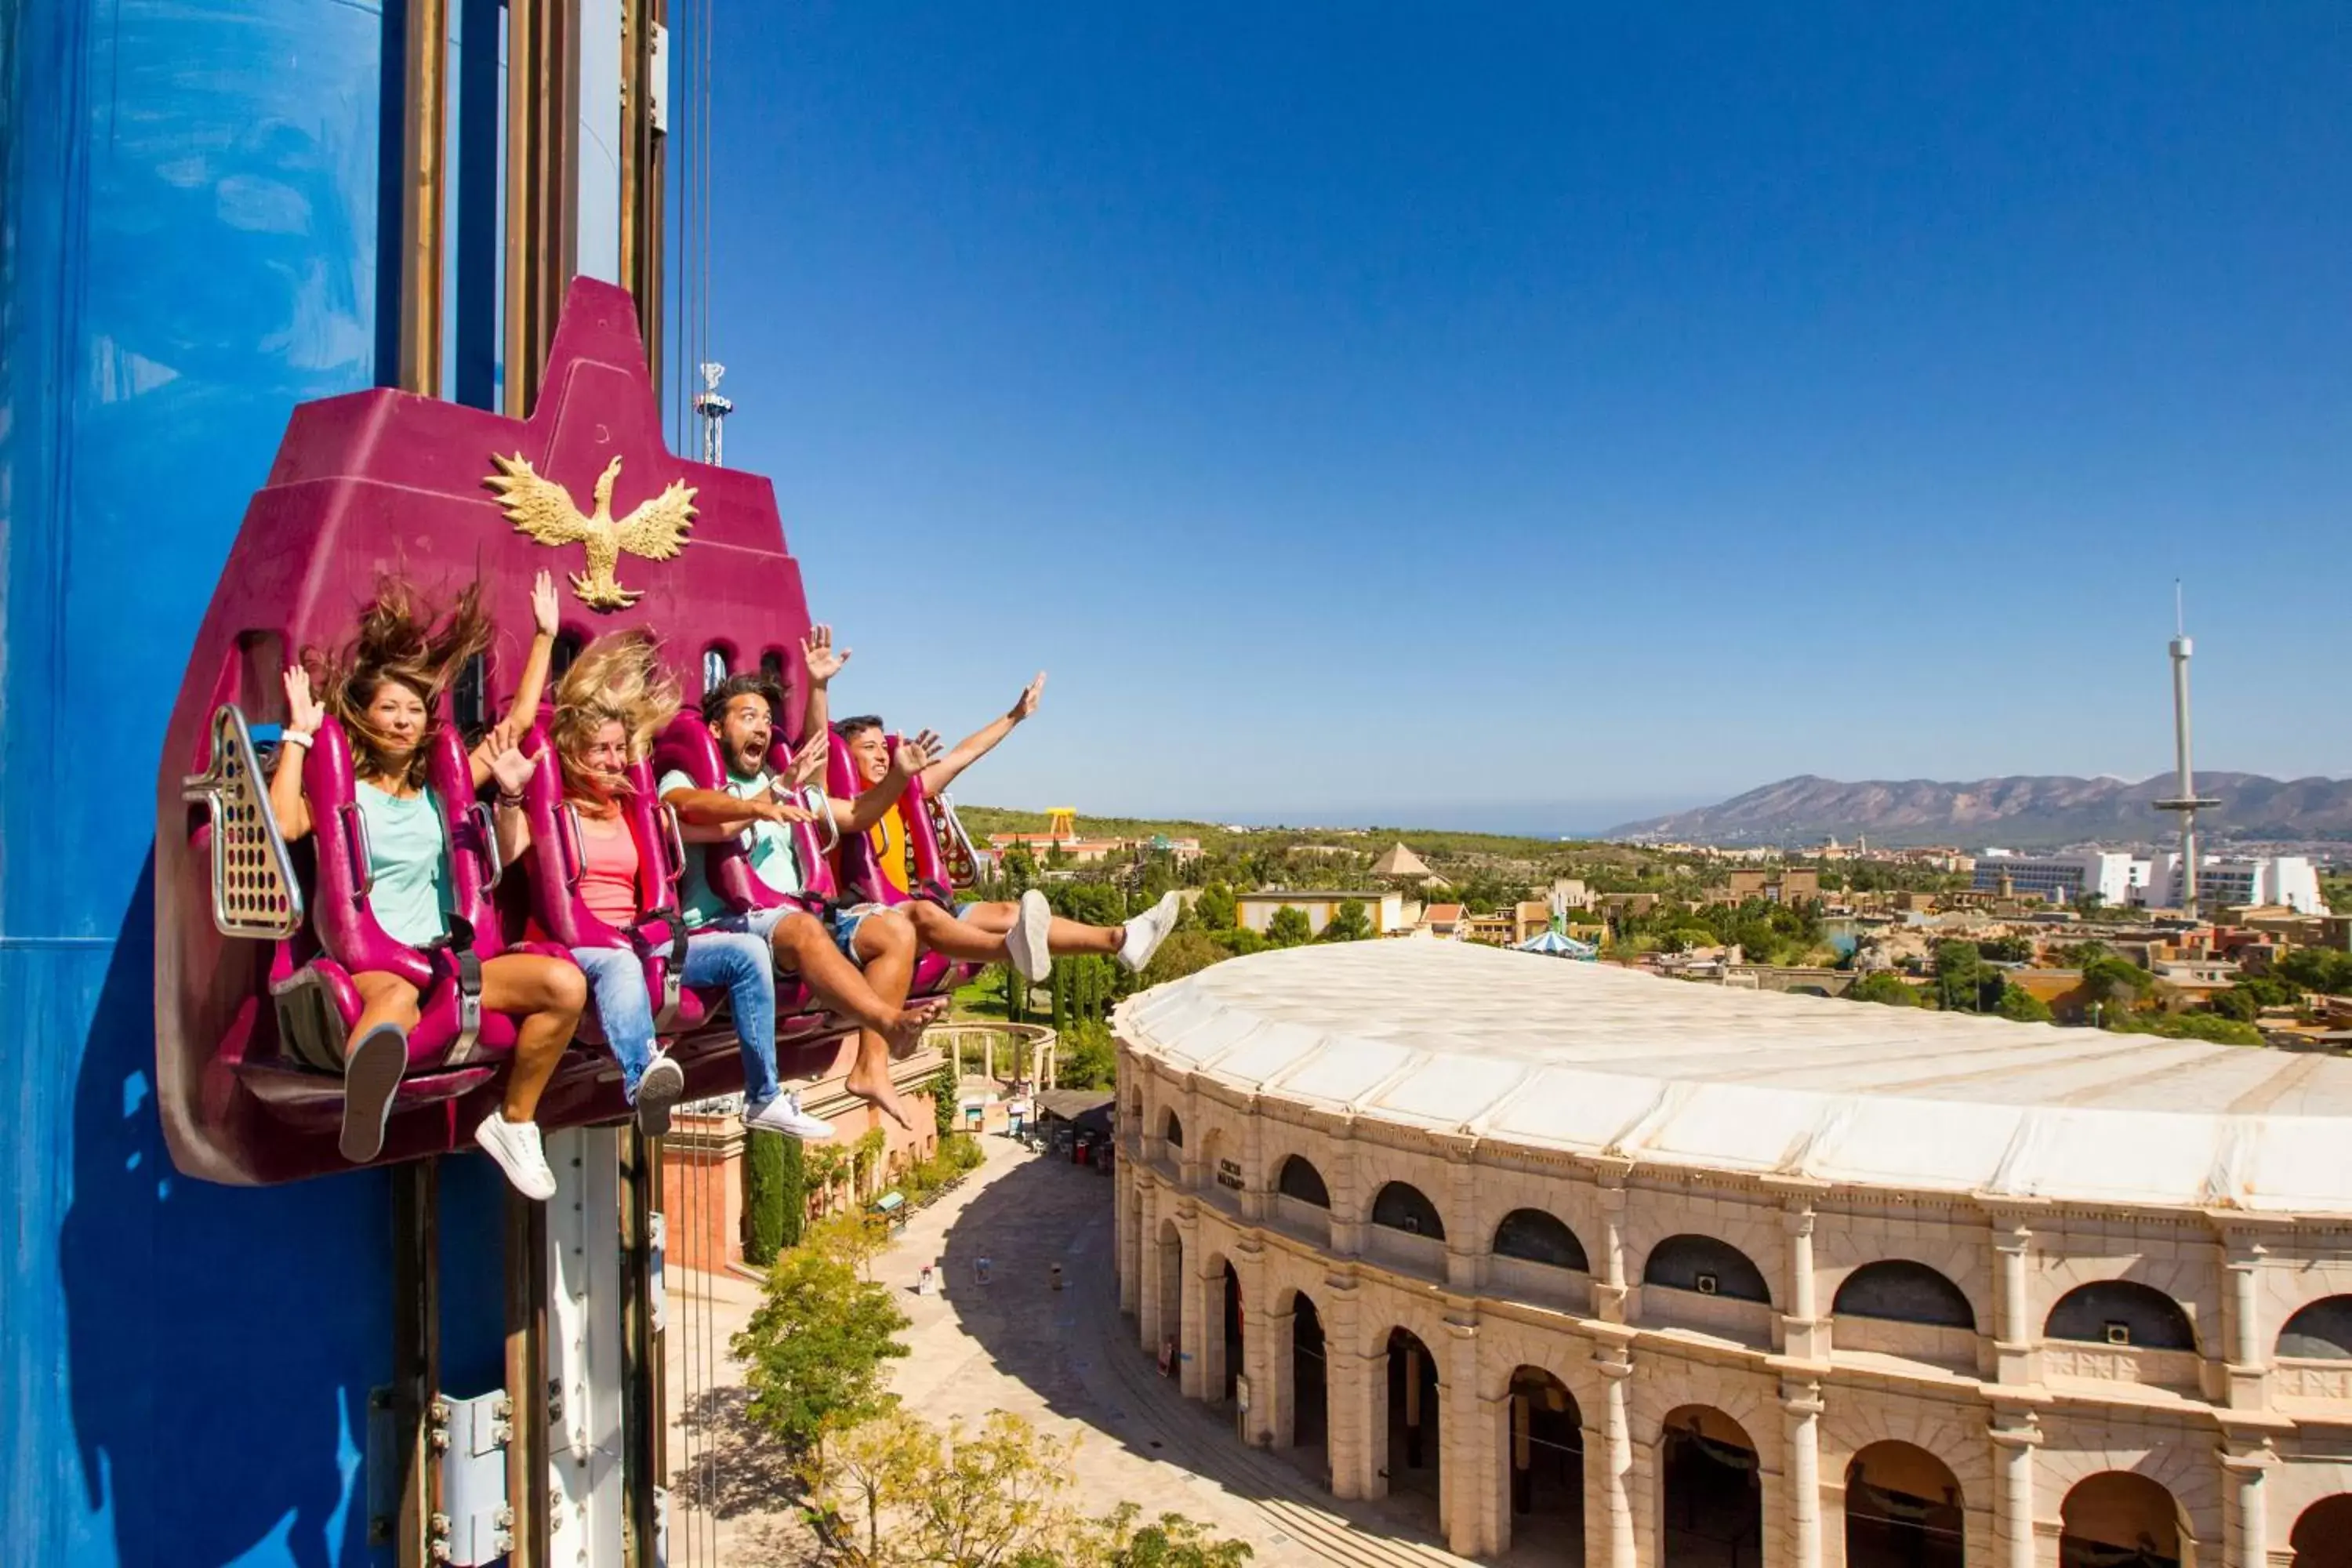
point(737, 960)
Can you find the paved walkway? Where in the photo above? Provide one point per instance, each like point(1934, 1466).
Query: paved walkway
point(1069, 1362)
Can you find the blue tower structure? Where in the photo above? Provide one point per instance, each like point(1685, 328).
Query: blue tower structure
point(202, 227)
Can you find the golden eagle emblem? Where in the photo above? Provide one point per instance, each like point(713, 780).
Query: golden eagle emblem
point(545, 511)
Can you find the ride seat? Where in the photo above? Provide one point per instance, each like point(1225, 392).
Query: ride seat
point(555, 862)
point(258, 891)
point(925, 829)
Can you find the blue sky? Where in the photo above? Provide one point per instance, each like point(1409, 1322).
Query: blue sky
point(1525, 416)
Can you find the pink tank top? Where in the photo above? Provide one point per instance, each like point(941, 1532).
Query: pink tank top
point(608, 873)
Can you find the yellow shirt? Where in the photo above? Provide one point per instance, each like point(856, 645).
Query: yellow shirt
point(891, 850)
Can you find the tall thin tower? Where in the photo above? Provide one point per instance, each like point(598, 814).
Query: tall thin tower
point(2185, 799)
point(713, 410)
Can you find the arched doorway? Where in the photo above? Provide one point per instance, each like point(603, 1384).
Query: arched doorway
point(1309, 1413)
point(1712, 1499)
point(2117, 1519)
point(1545, 1446)
point(1231, 1291)
point(1413, 1417)
point(1903, 1509)
point(2323, 1534)
point(1171, 1347)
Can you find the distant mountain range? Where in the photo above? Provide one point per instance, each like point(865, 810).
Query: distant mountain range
point(2016, 812)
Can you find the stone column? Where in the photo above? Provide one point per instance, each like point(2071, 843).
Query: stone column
point(1127, 1222)
point(2246, 1347)
point(1146, 1308)
point(1192, 1328)
point(2016, 1336)
point(1347, 1378)
point(2015, 1434)
point(2246, 1525)
point(1257, 1183)
point(1803, 1335)
point(1258, 1350)
point(1347, 1201)
point(1800, 1403)
point(1609, 1530)
point(1463, 1243)
point(1609, 1290)
point(1466, 1440)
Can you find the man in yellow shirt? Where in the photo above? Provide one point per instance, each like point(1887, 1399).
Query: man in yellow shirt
point(972, 932)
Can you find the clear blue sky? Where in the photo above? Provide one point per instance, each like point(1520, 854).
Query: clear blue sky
point(1527, 416)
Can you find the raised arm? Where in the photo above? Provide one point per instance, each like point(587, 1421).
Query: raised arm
point(532, 684)
point(304, 715)
point(512, 770)
point(979, 743)
point(822, 663)
point(871, 805)
point(713, 816)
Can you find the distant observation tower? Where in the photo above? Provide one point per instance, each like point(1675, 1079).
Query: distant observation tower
point(2185, 799)
point(712, 410)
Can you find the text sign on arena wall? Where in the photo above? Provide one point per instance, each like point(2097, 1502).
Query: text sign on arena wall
point(1229, 1175)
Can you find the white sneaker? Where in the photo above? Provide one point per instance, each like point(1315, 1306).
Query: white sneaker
point(659, 1090)
point(1025, 944)
point(516, 1146)
point(784, 1114)
point(1147, 931)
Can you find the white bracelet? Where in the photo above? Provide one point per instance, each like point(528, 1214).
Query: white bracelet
point(298, 737)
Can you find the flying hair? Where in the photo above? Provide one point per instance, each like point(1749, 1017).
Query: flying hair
point(402, 637)
point(618, 678)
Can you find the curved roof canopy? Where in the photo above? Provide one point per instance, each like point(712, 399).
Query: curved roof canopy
point(1597, 1059)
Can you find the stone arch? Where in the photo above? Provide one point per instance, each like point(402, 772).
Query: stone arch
point(1903, 1508)
point(2075, 1449)
point(1400, 1205)
point(1302, 1374)
point(1171, 1243)
point(1172, 1128)
point(1298, 1178)
point(2121, 1312)
point(1215, 1146)
point(2319, 1330)
point(1903, 1292)
point(1543, 1449)
point(1710, 1497)
point(2115, 1510)
point(1706, 1265)
point(1537, 1236)
point(1408, 1415)
point(2322, 1536)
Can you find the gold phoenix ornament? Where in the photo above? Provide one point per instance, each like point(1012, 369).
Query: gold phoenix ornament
point(544, 510)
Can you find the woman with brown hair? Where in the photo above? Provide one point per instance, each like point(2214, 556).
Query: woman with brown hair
point(384, 687)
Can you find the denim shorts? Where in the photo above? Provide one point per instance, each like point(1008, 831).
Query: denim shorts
point(845, 922)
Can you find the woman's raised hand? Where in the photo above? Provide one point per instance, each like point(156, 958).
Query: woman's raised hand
point(304, 712)
point(543, 605)
point(507, 764)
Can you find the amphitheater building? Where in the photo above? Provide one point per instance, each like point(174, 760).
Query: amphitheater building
point(1589, 1266)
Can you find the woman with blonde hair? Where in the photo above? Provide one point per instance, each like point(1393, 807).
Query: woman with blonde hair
point(610, 704)
point(384, 687)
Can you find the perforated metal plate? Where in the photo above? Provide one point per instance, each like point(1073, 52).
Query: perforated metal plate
point(254, 891)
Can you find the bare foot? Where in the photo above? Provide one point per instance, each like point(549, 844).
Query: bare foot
point(871, 1082)
point(906, 1035)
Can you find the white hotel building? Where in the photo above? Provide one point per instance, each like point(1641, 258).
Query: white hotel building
point(1611, 1270)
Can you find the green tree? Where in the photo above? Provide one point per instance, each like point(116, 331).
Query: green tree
point(1289, 928)
point(1184, 953)
point(945, 1094)
point(814, 1351)
point(776, 1195)
point(1348, 923)
point(2021, 1006)
point(1241, 941)
point(1959, 977)
point(2118, 985)
point(1171, 1541)
point(2319, 969)
point(2008, 950)
point(1215, 908)
point(1882, 987)
point(1088, 1060)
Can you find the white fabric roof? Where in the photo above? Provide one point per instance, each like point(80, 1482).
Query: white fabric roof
point(1594, 1058)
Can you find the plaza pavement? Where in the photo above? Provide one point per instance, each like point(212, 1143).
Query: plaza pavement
point(1069, 1362)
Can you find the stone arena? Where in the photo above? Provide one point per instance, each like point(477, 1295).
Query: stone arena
point(1608, 1268)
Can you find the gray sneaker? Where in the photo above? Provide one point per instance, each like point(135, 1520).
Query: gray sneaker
point(659, 1090)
